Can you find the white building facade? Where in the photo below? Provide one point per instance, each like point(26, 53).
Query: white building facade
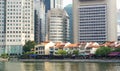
point(18, 24)
point(58, 25)
point(94, 20)
point(2, 26)
point(56, 4)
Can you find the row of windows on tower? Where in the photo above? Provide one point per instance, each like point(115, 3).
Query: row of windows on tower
point(13, 20)
point(17, 13)
point(56, 36)
point(90, 30)
point(1, 21)
point(13, 2)
point(18, 17)
point(16, 28)
point(14, 17)
point(88, 16)
point(18, 32)
point(1, 17)
point(97, 13)
point(16, 25)
point(93, 38)
point(1, 2)
point(2, 13)
point(90, 8)
point(13, 28)
point(99, 24)
point(56, 39)
point(13, 6)
point(18, 21)
point(92, 19)
point(16, 6)
point(13, 40)
point(16, 36)
point(1, 6)
point(15, 32)
point(94, 33)
point(13, 10)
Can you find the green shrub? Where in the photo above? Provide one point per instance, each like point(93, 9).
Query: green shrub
point(103, 51)
point(4, 55)
point(61, 52)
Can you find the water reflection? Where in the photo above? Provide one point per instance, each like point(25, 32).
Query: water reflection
point(58, 66)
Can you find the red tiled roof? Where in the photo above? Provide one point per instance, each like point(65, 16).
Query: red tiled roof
point(59, 45)
point(72, 45)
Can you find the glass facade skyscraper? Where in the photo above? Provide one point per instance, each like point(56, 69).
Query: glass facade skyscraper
point(49, 4)
point(68, 9)
point(118, 24)
point(39, 20)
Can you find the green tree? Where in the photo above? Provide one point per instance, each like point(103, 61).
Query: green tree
point(103, 51)
point(76, 52)
point(4, 55)
point(61, 52)
point(116, 49)
point(28, 46)
point(28, 53)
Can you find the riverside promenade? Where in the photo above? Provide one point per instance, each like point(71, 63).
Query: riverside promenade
point(2, 59)
point(71, 60)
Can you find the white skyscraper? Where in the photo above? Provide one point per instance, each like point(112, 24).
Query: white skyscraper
point(58, 25)
point(18, 24)
point(2, 26)
point(94, 20)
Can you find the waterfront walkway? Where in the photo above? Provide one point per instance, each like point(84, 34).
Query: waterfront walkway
point(70, 60)
point(2, 59)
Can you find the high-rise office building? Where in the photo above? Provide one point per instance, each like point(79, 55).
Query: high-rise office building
point(2, 26)
point(17, 24)
point(49, 4)
point(58, 25)
point(118, 24)
point(39, 20)
point(94, 20)
point(68, 9)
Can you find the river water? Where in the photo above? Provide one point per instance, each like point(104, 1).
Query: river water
point(58, 66)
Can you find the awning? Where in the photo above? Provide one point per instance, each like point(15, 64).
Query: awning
point(114, 54)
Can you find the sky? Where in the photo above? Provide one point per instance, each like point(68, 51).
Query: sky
point(118, 4)
point(66, 2)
